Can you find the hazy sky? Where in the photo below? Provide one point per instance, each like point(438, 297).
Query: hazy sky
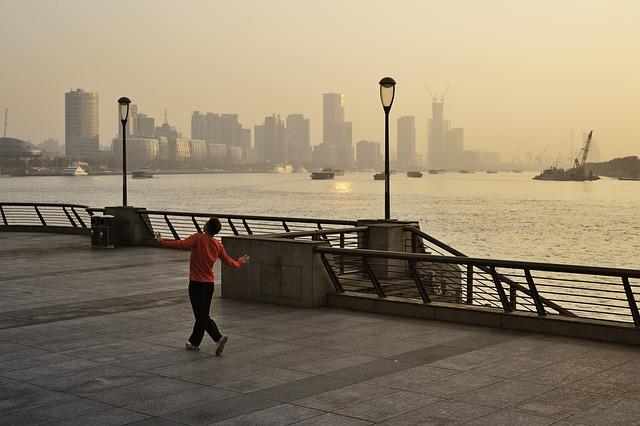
point(523, 74)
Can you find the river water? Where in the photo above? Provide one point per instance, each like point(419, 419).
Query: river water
point(505, 215)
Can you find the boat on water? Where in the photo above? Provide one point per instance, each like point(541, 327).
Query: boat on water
point(324, 174)
point(578, 173)
point(378, 176)
point(465, 171)
point(142, 173)
point(636, 177)
point(491, 172)
point(74, 170)
point(414, 174)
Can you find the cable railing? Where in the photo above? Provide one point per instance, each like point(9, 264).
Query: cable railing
point(179, 225)
point(50, 217)
point(541, 288)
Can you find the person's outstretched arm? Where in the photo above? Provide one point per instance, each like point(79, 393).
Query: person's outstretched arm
point(224, 256)
point(179, 244)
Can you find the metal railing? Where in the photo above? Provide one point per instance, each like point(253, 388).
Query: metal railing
point(51, 217)
point(179, 225)
point(542, 288)
point(352, 237)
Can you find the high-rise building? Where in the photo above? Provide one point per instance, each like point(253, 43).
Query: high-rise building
point(144, 126)
point(454, 147)
point(368, 155)
point(335, 131)
point(220, 129)
point(406, 142)
point(298, 139)
point(270, 141)
point(435, 145)
point(81, 133)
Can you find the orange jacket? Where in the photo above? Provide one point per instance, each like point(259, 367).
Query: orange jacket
point(205, 250)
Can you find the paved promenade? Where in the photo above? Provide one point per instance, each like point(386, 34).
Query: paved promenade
point(96, 338)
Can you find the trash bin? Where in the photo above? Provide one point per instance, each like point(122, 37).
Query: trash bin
point(103, 231)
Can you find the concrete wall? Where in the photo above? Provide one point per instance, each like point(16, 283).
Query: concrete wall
point(281, 271)
point(607, 331)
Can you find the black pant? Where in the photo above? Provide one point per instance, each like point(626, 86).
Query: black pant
point(200, 295)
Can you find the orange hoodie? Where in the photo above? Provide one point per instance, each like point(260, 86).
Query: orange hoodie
point(205, 250)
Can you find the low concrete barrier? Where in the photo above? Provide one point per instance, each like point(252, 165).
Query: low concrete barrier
point(281, 271)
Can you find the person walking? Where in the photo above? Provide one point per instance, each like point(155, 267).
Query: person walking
point(205, 250)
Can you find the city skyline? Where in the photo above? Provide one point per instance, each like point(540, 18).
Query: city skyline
point(522, 76)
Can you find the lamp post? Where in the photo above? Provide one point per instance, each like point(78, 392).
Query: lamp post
point(123, 108)
point(387, 93)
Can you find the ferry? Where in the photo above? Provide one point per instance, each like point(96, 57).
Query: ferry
point(324, 174)
point(74, 170)
point(414, 174)
point(143, 172)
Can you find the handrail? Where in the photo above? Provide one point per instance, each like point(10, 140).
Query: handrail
point(46, 217)
point(477, 261)
point(253, 217)
point(319, 232)
point(431, 277)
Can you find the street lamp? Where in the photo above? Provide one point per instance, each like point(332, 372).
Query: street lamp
point(387, 93)
point(123, 108)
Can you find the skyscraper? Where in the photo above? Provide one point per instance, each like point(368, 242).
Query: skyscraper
point(435, 154)
point(335, 131)
point(81, 133)
point(269, 140)
point(298, 139)
point(406, 141)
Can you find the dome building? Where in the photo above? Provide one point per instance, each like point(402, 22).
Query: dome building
point(16, 149)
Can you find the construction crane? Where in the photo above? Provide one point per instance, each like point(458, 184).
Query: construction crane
point(540, 156)
point(435, 97)
point(585, 152)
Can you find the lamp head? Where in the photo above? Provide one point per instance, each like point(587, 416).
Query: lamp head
point(123, 106)
point(387, 92)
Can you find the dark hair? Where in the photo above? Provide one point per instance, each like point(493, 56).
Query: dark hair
point(213, 226)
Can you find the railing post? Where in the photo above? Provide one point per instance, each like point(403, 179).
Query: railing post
point(416, 278)
point(332, 273)
point(469, 284)
point(513, 294)
point(171, 228)
point(69, 217)
point(633, 306)
point(284, 225)
point(196, 224)
point(4, 218)
point(232, 226)
point(80, 221)
point(246, 226)
point(534, 293)
point(40, 216)
point(373, 278)
point(342, 257)
point(503, 296)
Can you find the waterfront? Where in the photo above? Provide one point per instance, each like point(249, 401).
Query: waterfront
point(505, 215)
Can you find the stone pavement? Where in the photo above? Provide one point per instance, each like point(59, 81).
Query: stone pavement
point(90, 337)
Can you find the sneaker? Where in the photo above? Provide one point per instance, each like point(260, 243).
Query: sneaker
point(220, 345)
point(191, 346)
